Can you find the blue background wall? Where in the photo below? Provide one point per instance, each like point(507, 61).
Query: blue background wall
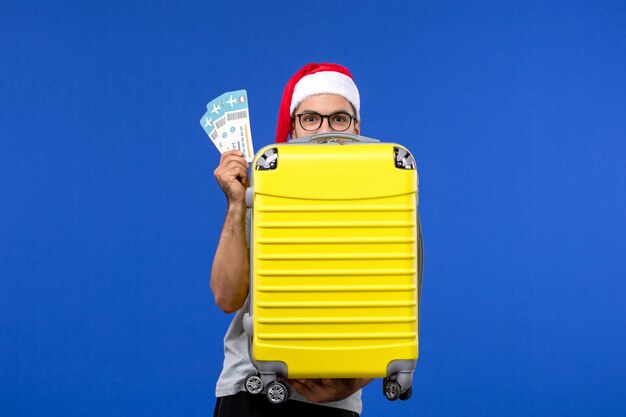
point(109, 213)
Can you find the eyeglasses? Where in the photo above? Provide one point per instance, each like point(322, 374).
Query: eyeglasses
point(338, 122)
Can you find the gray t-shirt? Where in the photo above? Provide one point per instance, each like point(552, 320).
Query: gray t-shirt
point(237, 364)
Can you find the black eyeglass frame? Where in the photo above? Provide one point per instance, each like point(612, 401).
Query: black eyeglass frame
point(325, 116)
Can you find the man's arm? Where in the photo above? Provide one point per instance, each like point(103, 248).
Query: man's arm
point(229, 275)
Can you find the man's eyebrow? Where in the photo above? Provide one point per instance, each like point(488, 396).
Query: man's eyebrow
point(333, 112)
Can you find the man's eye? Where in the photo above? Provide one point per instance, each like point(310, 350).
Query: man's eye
point(310, 118)
point(340, 118)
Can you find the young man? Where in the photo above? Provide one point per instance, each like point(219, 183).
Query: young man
point(319, 98)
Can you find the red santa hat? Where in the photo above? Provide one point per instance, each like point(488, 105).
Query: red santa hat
point(313, 79)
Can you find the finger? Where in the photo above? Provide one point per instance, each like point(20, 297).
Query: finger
point(233, 159)
point(230, 170)
point(240, 173)
point(230, 164)
point(309, 383)
point(232, 152)
point(313, 391)
point(300, 387)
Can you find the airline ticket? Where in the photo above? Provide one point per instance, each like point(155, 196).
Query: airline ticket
point(227, 123)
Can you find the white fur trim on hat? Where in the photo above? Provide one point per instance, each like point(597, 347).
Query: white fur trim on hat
point(326, 82)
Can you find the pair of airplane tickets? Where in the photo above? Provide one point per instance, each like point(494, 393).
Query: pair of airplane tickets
point(227, 123)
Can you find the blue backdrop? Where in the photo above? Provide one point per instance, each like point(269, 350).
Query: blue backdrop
point(109, 212)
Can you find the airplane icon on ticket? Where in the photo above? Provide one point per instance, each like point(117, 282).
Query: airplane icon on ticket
point(231, 101)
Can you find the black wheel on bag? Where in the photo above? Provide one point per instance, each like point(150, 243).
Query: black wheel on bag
point(406, 394)
point(391, 389)
point(277, 392)
point(254, 384)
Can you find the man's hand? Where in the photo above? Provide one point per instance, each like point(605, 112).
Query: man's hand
point(232, 176)
point(325, 390)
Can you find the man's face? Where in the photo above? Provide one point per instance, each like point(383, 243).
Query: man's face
point(323, 104)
